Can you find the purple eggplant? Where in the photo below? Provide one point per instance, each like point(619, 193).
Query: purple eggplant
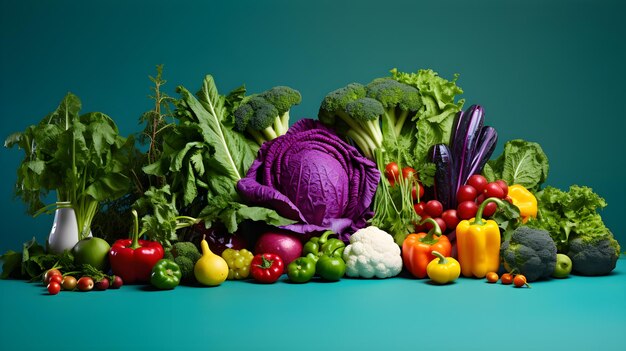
point(486, 145)
point(465, 141)
point(445, 176)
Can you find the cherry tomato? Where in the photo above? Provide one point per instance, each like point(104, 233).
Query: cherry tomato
point(49, 274)
point(480, 199)
point(56, 278)
point(85, 284)
point(519, 281)
point(433, 208)
point(408, 173)
point(467, 209)
point(507, 278)
point(478, 182)
point(451, 218)
point(414, 192)
point(504, 186)
point(490, 209)
point(392, 172)
point(102, 284)
point(466, 193)
point(419, 208)
point(492, 277)
point(54, 288)
point(493, 189)
point(69, 283)
point(117, 282)
point(266, 268)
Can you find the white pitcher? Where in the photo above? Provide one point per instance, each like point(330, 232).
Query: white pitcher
point(64, 233)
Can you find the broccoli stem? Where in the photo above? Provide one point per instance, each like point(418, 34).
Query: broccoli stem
point(285, 119)
point(400, 121)
point(269, 133)
point(256, 135)
point(364, 143)
point(278, 126)
point(352, 123)
point(373, 127)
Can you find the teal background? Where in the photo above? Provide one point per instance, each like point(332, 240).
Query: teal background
point(550, 72)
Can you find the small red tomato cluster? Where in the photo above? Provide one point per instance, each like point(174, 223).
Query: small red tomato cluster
point(55, 281)
point(518, 280)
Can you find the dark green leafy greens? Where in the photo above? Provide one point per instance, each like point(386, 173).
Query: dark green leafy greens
point(203, 158)
point(81, 157)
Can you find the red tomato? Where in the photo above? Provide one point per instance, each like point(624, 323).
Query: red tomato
point(392, 172)
point(419, 208)
point(519, 281)
point(466, 193)
point(478, 182)
point(54, 288)
point(408, 173)
point(49, 274)
point(467, 209)
point(507, 278)
point(451, 218)
point(480, 199)
point(440, 222)
point(433, 208)
point(504, 187)
point(490, 209)
point(266, 268)
point(494, 189)
point(414, 191)
point(492, 277)
point(56, 278)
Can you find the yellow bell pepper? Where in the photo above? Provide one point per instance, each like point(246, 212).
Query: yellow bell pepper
point(443, 270)
point(524, 200)
point(478, 244)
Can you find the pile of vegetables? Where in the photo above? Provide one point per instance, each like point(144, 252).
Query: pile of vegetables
point(394, 175)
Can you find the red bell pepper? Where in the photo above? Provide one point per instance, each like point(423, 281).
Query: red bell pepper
point(133, 259)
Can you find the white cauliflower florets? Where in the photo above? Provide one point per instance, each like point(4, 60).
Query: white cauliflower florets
point(372, 252)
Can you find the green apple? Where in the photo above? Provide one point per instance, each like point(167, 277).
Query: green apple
point(93, 251)
point(563, 266)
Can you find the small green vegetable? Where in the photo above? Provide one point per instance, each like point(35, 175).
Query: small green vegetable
point(330, 268)
point(165, 275)
point(301, 270)
point(185, 254)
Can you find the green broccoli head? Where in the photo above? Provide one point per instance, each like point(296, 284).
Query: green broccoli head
point(393, 94)
point(531, 252)
point(256, 113)
point(186, 269)
point(365, 109)
point(185, 254)
point(186, 249)
point(593, 255)
point(335, 102)
point(282, 97)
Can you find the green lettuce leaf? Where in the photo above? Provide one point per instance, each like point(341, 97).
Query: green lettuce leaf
point(522, 162)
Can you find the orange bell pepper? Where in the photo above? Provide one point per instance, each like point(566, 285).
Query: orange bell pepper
point(417, 249)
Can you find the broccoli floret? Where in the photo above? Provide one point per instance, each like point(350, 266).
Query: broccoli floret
point(593, 255)
point(265, 116)
point(530, 252)
point(185, 254)
point(283, 98)
point(399, 100)
point(333, 112)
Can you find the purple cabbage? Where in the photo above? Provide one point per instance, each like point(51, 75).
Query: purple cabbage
point(312, 176)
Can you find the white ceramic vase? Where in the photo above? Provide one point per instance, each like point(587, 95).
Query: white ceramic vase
point(64, 233)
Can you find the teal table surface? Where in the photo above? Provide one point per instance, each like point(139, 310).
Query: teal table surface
point(577, 313)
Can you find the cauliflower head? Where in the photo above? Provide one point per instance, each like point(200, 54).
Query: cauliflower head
point(372, 253)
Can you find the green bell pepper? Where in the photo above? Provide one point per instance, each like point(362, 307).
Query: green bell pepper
point(330, 267)
point(165, 274)
point(318, 246)
point(301, 270)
